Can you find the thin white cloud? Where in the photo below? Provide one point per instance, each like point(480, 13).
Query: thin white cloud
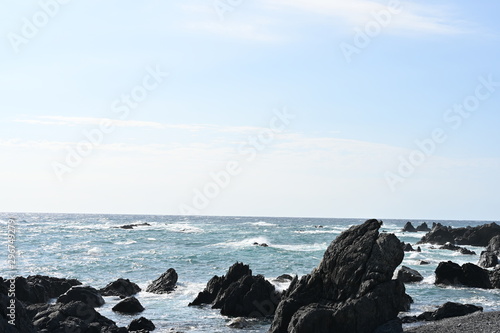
point(413, 17)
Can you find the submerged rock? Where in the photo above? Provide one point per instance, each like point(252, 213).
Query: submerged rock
point(166, 283)
point(451, 247)
point(120, 287)
point(351, 291)
point(240, 294)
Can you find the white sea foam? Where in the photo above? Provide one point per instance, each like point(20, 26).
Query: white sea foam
point(245, 242)
point(95, 251)
point(127, 242)
point(183, 227)
point(302, 247)
point(317, 231)
point(262, 224)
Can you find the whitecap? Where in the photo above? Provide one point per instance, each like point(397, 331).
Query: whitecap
point(245, 242)
point(95, 251)
point(262, 224)
point(128, 242)
point(302, 247)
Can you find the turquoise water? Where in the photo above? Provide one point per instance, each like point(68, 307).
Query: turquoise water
point(90, 248)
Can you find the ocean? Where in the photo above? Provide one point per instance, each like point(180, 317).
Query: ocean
point(93, 250)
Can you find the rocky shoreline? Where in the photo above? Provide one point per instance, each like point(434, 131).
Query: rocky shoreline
point(353, 290)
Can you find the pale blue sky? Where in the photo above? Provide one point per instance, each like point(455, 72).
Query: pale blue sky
point(353, 120)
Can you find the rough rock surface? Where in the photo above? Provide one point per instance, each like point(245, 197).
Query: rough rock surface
point(475, 236)
point(129, 305)
point(166, 283)
point(74, 317)
point(240, 294)
point(39, 289)
point(451, 247)
point(489, 258)
point(469, 275)
point(87, 295)
point(478, 322)
point(423, 227)
point(351, 291)
point(22, 321)
point(120, 287)
point(449, 310)
point(406, 274)
point(141, 324)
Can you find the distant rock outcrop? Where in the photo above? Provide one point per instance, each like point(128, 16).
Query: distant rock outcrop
point(475, 236)
point(166, 283)
point(351, 291)
point(240, 294)
point(489, 258)
point(423, 227)
point(120, 287)
point(409, 228)
point(132, 226)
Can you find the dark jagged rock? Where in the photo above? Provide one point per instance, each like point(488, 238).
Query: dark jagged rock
point(240, 294)
point(423, 262)
point(451, 247)
point(407, 275)
point(407, 247)
point(469, 275)
point(351, 291)
point(409, 228)
point(12, 311)
point(449, 310)
point(489, 258)
point(166, 283)
point(87, 295)
point(74, 317)
point(120, 287)
point(39, 289)
point(423, 227)
point(141, 324)
point(495, 278)
point(475, 236)
point(129, 305)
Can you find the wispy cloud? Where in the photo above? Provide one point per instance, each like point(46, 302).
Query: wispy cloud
point(414, 18)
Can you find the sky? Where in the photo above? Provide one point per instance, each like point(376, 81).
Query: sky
point(306, 108)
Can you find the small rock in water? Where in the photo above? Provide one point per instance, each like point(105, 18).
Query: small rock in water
point(238, 323)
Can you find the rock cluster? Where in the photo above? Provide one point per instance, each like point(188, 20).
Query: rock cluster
point(447, 310)
point(462, 250)
point(489, 258)
point(240, 294)
point(469, 275)
point(475, 236)
point(410, 228)
point(351, 291)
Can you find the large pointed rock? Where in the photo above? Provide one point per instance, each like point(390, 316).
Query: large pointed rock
point(351, 291)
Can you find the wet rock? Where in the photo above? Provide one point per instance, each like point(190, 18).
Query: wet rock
point(393, 326)
point(240, 294)
point(74, 317)
point(129, 305)
point(351, 291)
point(475, 236)
point(141, 324)
point(238, 323)
point(423, 262)
point(284, 278)
point(449, 310)
point(469, 275)
point(120, 287)
point(408, 275)
point(132, 226)
point(87, 295)
point(12, 311)
point(407, 247)
point(166, 283)
point(409, 228)
point(489, 258)
point(451, 247)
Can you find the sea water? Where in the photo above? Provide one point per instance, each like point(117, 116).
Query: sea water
point(94, 250)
